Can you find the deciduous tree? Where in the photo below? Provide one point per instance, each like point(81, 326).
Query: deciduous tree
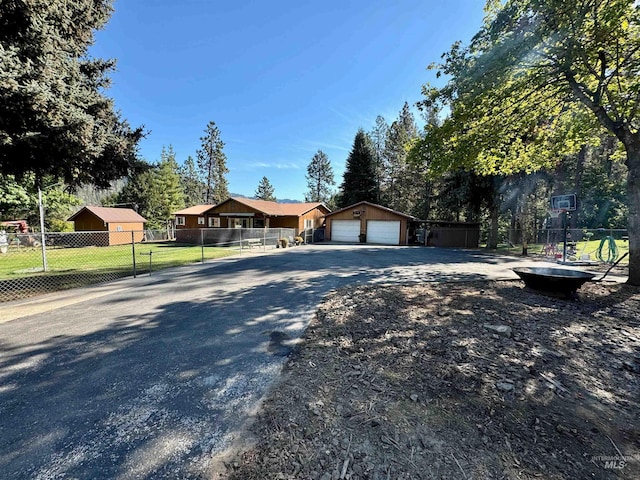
point(534, 84)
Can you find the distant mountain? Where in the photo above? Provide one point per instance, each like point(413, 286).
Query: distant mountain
point(278, 200)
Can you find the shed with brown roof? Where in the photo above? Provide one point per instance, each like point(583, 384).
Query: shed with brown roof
point(117, 222)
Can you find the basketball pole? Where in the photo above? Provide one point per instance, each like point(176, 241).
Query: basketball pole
point(564, 248)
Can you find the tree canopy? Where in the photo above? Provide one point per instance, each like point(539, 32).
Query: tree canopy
point(265, 190)
point(538, 81)
point(212, 163)
point(319, 178)
point(55, 118)
point(359, 179)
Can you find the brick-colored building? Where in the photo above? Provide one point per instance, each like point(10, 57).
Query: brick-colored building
point(118, 223)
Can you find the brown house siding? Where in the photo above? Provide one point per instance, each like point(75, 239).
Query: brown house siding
point(124, 237)
point(88, 222)
point(227, 209)
point(368, 212)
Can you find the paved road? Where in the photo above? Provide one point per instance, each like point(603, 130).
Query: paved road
point(147, 377)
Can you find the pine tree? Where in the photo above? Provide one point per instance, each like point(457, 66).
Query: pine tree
point(192, 185)
point(212, 163)
point(55, 118)
point(168, 184)
point(359, 181)
point(403, 180)
point(378, 138)
point(265, 190)
point(319, 178)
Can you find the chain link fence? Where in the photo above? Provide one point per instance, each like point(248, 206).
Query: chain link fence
point(600, 245)
point(68, 260)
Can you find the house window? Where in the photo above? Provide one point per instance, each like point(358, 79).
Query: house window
point(241, 223)
point(308, 223)
point(214, 222)
point(179, 220)
point(200, 220)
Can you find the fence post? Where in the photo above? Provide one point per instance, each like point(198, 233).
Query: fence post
point(133, 252)
point(264, 239)
point(202, 242)
point(240, 231)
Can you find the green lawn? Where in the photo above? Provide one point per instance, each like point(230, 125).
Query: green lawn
point(27, 261)
point(582, 247)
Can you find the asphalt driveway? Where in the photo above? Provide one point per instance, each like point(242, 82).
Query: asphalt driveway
point(148, 377)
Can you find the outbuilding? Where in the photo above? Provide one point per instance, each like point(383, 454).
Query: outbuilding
point(116, 223)
point(367, 222)
point(442, 233)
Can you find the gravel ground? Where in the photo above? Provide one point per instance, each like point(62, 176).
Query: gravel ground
point(474, 380)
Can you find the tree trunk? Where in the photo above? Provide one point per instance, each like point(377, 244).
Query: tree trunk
point(578, 182)
point(492, 243)
point(633, 222)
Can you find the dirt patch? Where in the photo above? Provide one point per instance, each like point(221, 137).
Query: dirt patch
point(475, 380)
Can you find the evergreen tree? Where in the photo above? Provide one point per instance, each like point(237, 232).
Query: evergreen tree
point(55, 118)
point(359, 180)
point(265, 190)
point(192, 185)
point(168, 185)
point(212, 163)
point(155, 191)
point(319, 178)
point(404, 181)
point(378, 138)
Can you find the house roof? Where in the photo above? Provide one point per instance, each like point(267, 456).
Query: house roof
point(195, 210)
point(111, 215)
point(276, 209)
point(380, 207)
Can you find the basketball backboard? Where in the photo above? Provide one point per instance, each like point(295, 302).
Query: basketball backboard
point(564, 202)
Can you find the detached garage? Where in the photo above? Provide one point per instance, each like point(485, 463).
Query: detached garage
point(367, 222)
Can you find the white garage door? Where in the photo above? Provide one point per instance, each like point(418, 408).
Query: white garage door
point(386, 232)
point(345, 230)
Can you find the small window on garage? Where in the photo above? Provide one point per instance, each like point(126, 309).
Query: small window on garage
point(118, 228)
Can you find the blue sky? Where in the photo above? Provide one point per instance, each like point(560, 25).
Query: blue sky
point(280, 79)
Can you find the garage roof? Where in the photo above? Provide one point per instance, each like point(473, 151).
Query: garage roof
point(379, 207)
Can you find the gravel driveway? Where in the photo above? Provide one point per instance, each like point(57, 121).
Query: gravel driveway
point(148, 377)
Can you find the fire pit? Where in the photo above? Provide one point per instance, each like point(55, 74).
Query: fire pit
point(556, 281)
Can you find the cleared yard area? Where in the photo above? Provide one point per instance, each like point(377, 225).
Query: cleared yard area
point(22, 275)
